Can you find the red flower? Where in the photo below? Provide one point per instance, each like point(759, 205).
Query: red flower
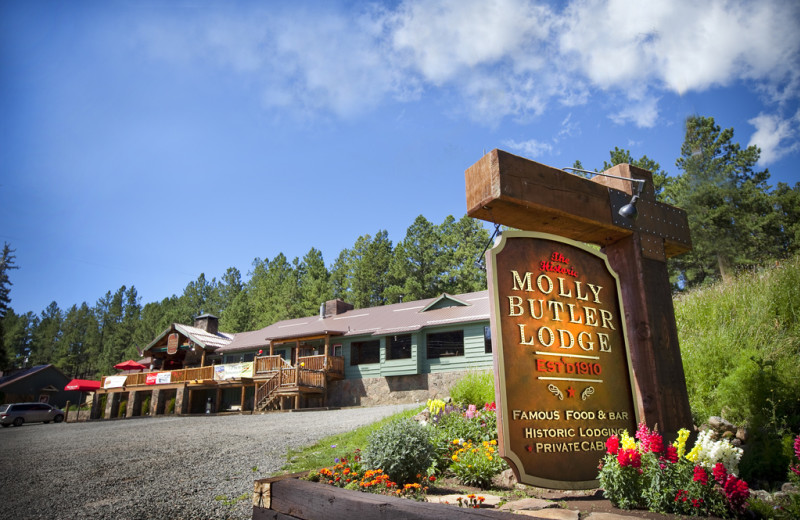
point(612, 445)
point(737, 492)
point(720, 473)
point(700, 475)
point(672, 454)
point(629, 458)
point(432, 478)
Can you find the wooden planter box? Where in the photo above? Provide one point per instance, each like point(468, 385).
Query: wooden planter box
point(289, 498)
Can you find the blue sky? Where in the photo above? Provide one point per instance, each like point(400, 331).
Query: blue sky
point(144, 143)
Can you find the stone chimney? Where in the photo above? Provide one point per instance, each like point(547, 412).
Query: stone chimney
point(207, 322)
point(334, 307)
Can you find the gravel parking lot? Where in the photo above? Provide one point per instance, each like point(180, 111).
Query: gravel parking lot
point(155, 468)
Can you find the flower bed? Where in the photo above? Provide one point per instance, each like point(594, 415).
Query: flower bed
point(648, 475)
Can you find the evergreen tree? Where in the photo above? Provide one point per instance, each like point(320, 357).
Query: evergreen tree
point(18, 338)
point(237, 317)
point(80, 342)
point(6, 264)
point(47, 335)
point(725, 200)
point(660, 178)
point(360, 275)
point(463, 241)
point(417, 264)
point(315, 282)
point(274, 290)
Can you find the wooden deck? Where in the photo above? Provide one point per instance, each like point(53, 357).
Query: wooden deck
point(275, 379)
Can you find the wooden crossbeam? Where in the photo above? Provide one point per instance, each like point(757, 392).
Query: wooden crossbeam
point(517, 192)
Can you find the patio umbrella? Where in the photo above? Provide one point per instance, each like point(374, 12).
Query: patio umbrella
point(82, 385)
point(129, 365)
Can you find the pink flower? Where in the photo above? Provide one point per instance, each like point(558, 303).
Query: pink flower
point(470, 411)
point(612, 445)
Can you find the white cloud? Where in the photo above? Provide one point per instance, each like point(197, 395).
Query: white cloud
point(496, 59)
point(775, 136)
point(530, 149)
point(445, 38)
point(642, 112)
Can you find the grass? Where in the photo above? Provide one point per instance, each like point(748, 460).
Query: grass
point(739, 343)
point(322, 453)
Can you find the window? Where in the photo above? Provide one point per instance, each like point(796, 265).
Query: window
point(398, 347)
point(487, 340)
point(364, 352)
point(337, 350)
point(445, 344)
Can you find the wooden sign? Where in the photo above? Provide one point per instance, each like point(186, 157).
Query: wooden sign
point(172, 343)
point(506, 189)
point(562, 369)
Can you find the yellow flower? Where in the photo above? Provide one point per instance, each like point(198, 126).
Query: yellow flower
point(692, 455)
point(680, 443)
point(628, 443)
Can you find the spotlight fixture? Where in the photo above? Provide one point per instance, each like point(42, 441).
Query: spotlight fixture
point(627, 211)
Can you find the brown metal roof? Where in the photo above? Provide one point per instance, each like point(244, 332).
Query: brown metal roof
point(387, 319)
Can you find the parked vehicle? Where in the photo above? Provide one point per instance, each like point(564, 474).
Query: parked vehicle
point(19, 413)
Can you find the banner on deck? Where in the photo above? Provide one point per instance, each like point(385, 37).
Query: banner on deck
point(151, 378)
point(115, 381)
point(163, 378)
point(233, 371)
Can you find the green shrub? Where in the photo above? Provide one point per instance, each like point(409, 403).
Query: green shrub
point(170, 406)
point(145, 406)
point(476, 463)
point(123, 408)
point(402, 449)
point(476, 387)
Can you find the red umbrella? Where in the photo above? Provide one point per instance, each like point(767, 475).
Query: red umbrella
point(129, 365)
point(82, 385)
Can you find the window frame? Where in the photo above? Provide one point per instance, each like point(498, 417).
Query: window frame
point(391, 347)
point(358, 348)
point(459, 350)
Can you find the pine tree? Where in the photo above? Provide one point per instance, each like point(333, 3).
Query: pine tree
point(726, 202)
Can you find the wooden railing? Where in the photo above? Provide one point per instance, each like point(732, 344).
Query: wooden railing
point(269, 364)
point(312, 371)
point(336, 364)
point(288, 376)
point(312, 363)
point(176, 376)
point(264, 391)
point(312, 378)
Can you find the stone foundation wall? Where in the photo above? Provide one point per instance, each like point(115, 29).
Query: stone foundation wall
point(375, 391)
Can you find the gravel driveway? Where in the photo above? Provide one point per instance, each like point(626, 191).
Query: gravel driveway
point(156, 468)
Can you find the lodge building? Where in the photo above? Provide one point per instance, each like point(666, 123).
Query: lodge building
point(398, 353)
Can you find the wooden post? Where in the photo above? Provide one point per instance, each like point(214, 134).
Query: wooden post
point(505, 189)
point(241, 402)
point(66, 410)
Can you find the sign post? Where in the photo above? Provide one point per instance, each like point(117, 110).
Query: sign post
point(565, 278)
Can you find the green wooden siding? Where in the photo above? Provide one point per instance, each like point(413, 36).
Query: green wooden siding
point(474, 355)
